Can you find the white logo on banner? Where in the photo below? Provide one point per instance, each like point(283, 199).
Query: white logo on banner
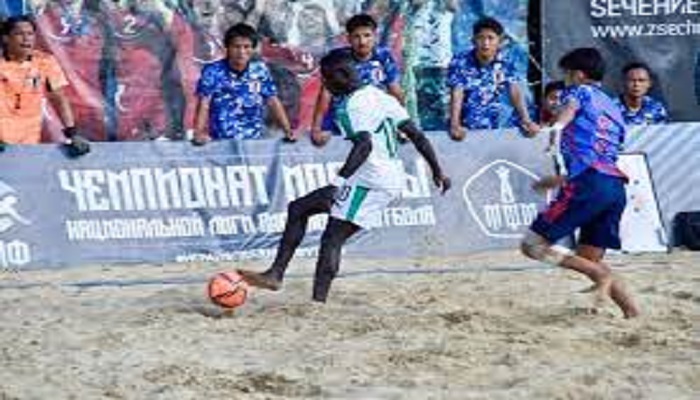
point(13, 253)
point(494, 201)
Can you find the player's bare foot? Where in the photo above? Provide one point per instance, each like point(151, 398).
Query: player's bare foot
point(600, 290)
point(261, 280)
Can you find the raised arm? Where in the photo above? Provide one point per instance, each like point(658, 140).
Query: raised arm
point(422, 144)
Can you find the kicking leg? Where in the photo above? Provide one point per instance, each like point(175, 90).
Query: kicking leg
point(336, 234)
point(298, 213)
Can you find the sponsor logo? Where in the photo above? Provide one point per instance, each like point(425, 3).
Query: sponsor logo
point(13, 253)
point(500, 199)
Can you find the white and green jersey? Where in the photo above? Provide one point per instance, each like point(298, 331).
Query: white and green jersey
point(370, 109)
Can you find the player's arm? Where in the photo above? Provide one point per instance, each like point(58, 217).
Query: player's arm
point(565, 116)
point(422, 144)
point(395, 90)
point(518, 101)
point(73, 144)
point(280, 116)
point(361, 148)
point(457, 132)
point(323, 100)
point(201, 121)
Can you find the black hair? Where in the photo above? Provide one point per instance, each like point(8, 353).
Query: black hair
point(636, 65)
point(487, 23)
point(11, 22)
point(340, 62)
point(360, 21)
point(585, 59)
point(241, 30)
point(553, 86)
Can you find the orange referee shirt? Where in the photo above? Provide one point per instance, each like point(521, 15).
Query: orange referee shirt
point(23, 88)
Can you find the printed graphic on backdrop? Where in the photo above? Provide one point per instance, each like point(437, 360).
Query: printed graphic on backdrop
point(641, 229)
point(664, 34)
point(14, 252)
point(133, 65)
point(500, 199)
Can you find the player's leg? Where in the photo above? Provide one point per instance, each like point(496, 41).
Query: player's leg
point(336, 234)
point(603, 232)
point(298, 213)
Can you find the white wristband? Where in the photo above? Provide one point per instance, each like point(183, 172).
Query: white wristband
point(338, 181)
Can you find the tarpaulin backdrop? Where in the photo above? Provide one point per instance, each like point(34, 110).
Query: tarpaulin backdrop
point(664, 34)
point(133, 65)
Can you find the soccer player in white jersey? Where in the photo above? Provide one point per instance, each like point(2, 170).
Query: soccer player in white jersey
point(371, 177)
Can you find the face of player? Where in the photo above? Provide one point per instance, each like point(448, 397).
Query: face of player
point(19, 44)
point(239, 52)
point(637, 82)
point(362, 40)
point(551, 101)
point(487, 43)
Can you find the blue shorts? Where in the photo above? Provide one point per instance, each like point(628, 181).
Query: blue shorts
point(592, 201)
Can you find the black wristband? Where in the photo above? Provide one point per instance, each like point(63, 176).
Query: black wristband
point(70, 131)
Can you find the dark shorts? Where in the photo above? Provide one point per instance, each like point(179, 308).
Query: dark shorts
point(593, 202)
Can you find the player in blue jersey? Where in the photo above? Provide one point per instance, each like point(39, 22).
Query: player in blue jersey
point(638, 108)
point(370, 179)
point(233, 92)
point(592, 195)
point(484, 88)
point(374, 64)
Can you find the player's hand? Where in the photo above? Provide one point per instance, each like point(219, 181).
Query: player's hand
point(289, 136)
point(442, 182)
point(457, 133)
point(200, 140)
point(319, 138)
point(3, 146)
point(548, 182)
point(530, 128)
point(75, 145)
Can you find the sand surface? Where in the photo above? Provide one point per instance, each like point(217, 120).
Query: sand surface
point(490, 326)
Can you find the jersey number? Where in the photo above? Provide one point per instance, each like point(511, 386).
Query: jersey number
point(388, 130)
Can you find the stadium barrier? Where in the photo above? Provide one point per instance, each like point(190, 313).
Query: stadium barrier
point(136, 202)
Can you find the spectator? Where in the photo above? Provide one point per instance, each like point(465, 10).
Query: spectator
point(551, 101)
point(638, 108)
point(232, 92)
point(484, 87)
point(27, 78)
point(374, 65)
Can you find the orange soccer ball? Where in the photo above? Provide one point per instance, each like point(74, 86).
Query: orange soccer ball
point(228, 290)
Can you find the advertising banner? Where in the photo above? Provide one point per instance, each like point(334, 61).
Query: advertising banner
point(170, 201)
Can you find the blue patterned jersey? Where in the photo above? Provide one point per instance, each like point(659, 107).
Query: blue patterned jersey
point(595, 137)
point(486, 91)
point(651, 112)
point(238, 99)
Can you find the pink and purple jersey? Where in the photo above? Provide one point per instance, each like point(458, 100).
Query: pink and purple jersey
point(596, 135)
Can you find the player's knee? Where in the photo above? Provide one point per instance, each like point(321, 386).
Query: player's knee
point(295, 209)
point(537, 248)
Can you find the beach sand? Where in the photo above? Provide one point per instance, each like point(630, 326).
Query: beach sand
point(488, 326)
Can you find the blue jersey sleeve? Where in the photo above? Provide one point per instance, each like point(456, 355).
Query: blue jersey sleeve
point(391, 70)
point(269, 88)
point(206, 86)
point(455, 72)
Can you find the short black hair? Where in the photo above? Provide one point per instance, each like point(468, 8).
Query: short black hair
point(487, 23)
point(241, 30)
point(11, 22)
point(636, 65)
point(553, 86)
point(585, 59)
point(360, 21)
point(340, 61)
